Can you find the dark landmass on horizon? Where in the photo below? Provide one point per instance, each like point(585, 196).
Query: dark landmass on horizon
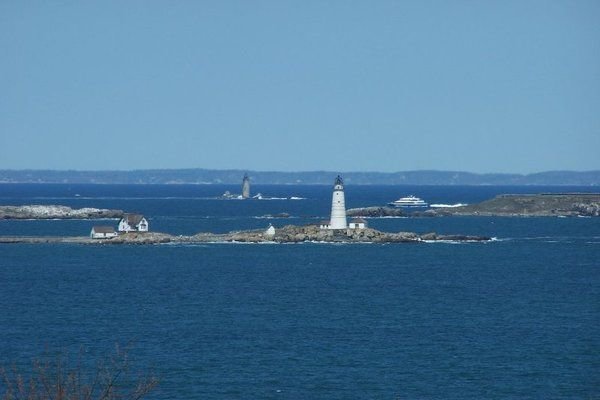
point(209, 176)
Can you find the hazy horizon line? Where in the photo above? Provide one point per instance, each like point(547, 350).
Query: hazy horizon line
point(299, 171)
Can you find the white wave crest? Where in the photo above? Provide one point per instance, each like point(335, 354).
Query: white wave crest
point(447, 205)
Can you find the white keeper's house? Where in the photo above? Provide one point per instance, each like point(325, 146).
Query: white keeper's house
point(133, 223)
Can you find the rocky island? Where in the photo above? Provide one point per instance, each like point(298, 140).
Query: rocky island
point(336, 230)
point(506, 205)
point(377, 212)
point(286, 234)
point(56, 212)
point(537, 205)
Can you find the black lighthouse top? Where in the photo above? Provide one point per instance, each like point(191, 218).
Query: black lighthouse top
point(339, 181)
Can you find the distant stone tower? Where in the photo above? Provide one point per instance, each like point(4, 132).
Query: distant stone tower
point(246, 187)
point(338, 206)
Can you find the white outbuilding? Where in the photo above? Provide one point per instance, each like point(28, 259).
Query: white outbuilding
point(324, 224)
point(103, 232)
point(357, 223)
point(270, 232)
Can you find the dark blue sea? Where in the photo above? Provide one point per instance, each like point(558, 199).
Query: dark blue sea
point(518, 317)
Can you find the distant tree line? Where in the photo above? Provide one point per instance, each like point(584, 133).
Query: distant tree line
point(208, 176)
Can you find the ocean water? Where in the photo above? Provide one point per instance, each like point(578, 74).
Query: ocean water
point(518, 317)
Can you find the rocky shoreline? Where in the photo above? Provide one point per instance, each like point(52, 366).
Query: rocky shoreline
point(56, 212)
point(378, 212)
point(506, 205)
point(287, 234)
point(513, 205)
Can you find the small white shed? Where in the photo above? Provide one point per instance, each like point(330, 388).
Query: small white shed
point(357, 223)
point(270, 231)
point(103, 232)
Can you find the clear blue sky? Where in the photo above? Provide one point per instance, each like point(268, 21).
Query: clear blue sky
point(481, 86)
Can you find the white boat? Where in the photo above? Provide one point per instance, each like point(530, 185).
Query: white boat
point(409, 201)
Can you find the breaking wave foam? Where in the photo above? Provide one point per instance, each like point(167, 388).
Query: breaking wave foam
point(447, 205)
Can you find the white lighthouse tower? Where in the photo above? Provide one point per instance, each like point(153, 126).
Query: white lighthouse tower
point(338, 206)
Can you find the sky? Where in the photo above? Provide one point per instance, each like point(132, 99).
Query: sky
point(479, 86)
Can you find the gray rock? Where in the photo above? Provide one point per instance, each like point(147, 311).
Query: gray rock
point(375, 212)
point(56, 212)
point(536, 205)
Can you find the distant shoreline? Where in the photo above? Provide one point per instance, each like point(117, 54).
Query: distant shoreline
point(200, 176)
point(292, 184)
point(504, 205)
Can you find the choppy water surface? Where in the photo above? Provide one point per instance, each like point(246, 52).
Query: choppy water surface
point(514, 318)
